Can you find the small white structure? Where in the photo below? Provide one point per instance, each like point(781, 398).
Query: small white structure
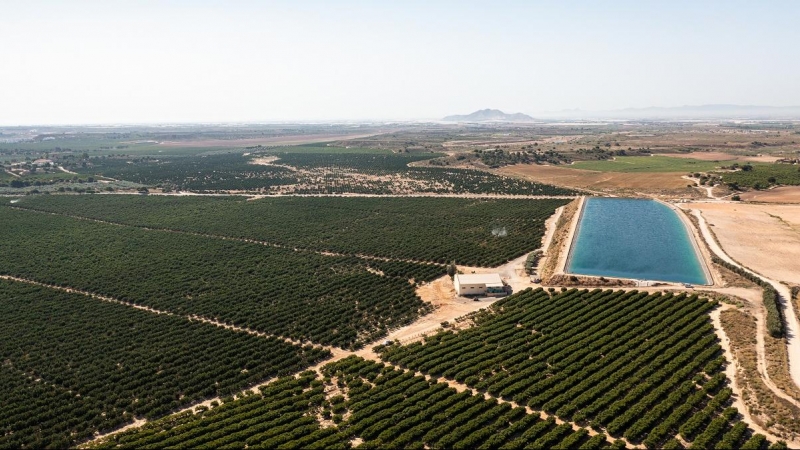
point(479, 284)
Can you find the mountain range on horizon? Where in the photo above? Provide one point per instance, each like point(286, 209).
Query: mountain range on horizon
point(711, 111)
point(489, 115)
point(688, 112)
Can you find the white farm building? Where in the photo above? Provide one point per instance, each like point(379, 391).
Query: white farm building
point(479, 284)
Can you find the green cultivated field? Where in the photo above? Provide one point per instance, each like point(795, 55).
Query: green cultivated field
point(385, 407)
point(765, 175)
point(648, 164)
point(761, 176)
point(304, 172)
point(323, 147)
point(306, 169)
point(432, 229)
point(301, 295)
point(644, 367)
point(73, 365)
point(198, 173)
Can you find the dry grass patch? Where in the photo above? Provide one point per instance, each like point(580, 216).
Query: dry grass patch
point(731, 278)
point(785, 194)
point(560, 237)
point(776, 354)
point(702, 156)
point(721, 156)
point(763, 238)
point(600, 181)
point(588, 281)
point(769, 411)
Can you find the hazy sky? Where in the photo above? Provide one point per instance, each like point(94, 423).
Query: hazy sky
point(115, 61)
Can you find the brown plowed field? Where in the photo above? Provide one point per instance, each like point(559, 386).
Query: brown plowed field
point(720, 156)
point(786, 194)
point(765, 238)
point(601, 181)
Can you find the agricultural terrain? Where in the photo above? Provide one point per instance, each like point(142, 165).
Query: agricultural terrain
point(656, 378)
point(90, 365)
point(280, 286)
point(473, 232)
point(522, 377)
point(635, 164)
point(111, 265)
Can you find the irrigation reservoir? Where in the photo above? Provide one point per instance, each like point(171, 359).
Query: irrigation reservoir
point(634, 238)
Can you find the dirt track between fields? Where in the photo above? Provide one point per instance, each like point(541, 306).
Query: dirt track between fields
point(792, 325)
point(731, 369)
point(764, 238)
point(441, 294)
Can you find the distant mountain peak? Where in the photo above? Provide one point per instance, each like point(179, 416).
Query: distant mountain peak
point(685, 112)
point(489, 115)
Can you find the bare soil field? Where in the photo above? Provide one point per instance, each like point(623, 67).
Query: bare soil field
point(765, 238)
point(767, 411)
point(785, 194)
point(721, 156)
point(702, 156)
point(600, 181)
point(277, 140)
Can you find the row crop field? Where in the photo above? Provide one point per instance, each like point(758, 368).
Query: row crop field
point(197, 172)
point(336, 300)
point(642, 366)
point(73, 365)
point(307, 173)
point(380, 405)
point(475, 232)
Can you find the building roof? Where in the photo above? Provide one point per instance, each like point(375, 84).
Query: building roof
point(479, 278)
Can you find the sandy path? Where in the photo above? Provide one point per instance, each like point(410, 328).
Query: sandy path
point(86, 293)
point(765, 238)
point(563, 256)
point(792, 326)
point(730, 372)
point(459, 387)
point(225, 238)
point(336, 352)
point(448, 306)
point(191, 317)
point(705, 259)
point(708, 189)
point(550, 228)
point(61, 168)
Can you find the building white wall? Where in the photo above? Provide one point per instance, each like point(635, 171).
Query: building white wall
point(471, 289)
point(477, 284)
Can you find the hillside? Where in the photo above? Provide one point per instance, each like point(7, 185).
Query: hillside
point(489, 115)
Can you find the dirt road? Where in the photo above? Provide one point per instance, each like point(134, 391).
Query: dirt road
point(730, 372)
point(792, 326)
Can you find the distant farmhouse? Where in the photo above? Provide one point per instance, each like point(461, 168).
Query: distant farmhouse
point(479, 284)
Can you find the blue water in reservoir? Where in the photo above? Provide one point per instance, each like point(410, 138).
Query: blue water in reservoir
point(633, 238)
